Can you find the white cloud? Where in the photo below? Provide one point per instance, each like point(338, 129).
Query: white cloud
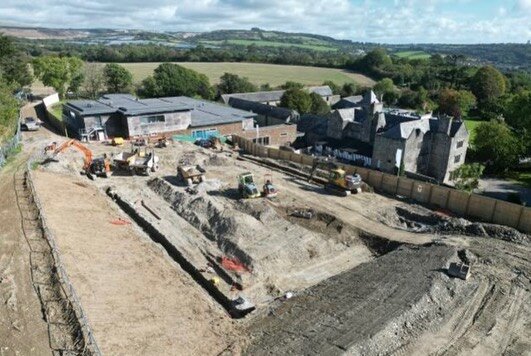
point(402, 21)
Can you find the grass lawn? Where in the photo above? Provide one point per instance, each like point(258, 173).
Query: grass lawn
point(57, 110)
point(413, 54)
point(260, 73)
point(471, 125)
point(260, 43)
point(522, 177)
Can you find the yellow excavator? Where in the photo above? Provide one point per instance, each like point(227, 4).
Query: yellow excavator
point(100, 167)
point(338, 181)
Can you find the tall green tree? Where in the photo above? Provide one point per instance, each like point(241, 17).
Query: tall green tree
point(14, 66)
point(456, 103)
point(466, 177)
point(94, 82)
point(117, 78)
point(232, 83)
point(174, 80)
point(58, 72)
point(497, 146)
point(336, 90)
point(518, 115)
point(291, 85)
point(319, 105)
point(348, 89)
point(8, 110)
point(386, 88)
point(297, 99)
point(488, 84)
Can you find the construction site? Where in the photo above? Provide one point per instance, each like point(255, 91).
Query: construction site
point(174, 248)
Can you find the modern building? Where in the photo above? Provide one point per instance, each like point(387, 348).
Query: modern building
point(273, 97)
point(123, 115)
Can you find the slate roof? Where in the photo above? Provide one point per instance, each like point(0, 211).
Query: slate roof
point(203, 112)
point(403, 130)
point(90, 107)
point(262, 109)
point(313, 123)
point(206, 113)
point(456, 125)
point(273, 95)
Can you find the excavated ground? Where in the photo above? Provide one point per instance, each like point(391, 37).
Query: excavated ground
point(361, 283)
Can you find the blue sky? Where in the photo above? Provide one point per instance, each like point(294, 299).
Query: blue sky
point(385, 21)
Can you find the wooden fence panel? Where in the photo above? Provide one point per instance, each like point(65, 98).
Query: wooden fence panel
point(481, 207)
point(506, 213)
point(405, 187)
point(389, 184)
point(458, 201)
point(439, 196)
point(525, 220)
point(375, 179)
point(421, 192)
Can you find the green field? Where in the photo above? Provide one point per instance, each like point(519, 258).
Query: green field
point(471, 125)
point(260, 43)
point(259, 73)
point(413, 55)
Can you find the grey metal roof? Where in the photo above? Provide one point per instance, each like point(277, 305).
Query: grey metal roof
point(206, 113)
point(129, 105)
point(323, 90)
point(263, 109)
point(90, 107)
point(259, 96)
point(273, 95)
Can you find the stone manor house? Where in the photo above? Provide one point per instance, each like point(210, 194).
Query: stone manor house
point(424, 144)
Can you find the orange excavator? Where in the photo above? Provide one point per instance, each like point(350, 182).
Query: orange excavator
point(100, 167)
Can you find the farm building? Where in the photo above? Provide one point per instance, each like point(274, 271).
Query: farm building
point(273, 97)
point(123, 115)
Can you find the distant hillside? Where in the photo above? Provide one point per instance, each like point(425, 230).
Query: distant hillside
point(504, 56)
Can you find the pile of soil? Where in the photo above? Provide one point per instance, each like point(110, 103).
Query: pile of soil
point(416, 218)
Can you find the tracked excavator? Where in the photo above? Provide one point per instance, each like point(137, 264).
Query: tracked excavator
point(100, 167)
point(338, 181)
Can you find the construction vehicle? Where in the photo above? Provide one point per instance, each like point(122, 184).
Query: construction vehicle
point(269, 190)
point(100, 167)
point(247, 187)
point(162, 142)
point(190, 174)
point(459, 270)
point(138, 161)
point(117, 141)
point(338, 181)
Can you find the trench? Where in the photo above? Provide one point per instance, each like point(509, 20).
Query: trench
point(177, 256)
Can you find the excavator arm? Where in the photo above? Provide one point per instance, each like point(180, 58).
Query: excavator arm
point(322, 164)
point(80, 147)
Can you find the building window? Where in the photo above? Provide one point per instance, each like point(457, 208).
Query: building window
point(261, 140)
point(284, 134)
point(457, 159)
point(152, 119)
point(460, 144)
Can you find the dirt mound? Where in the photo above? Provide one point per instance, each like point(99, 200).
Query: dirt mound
point(418, 219)
point(258, 235)
point(348, 312)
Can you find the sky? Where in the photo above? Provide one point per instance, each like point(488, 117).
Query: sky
point(385, 21)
